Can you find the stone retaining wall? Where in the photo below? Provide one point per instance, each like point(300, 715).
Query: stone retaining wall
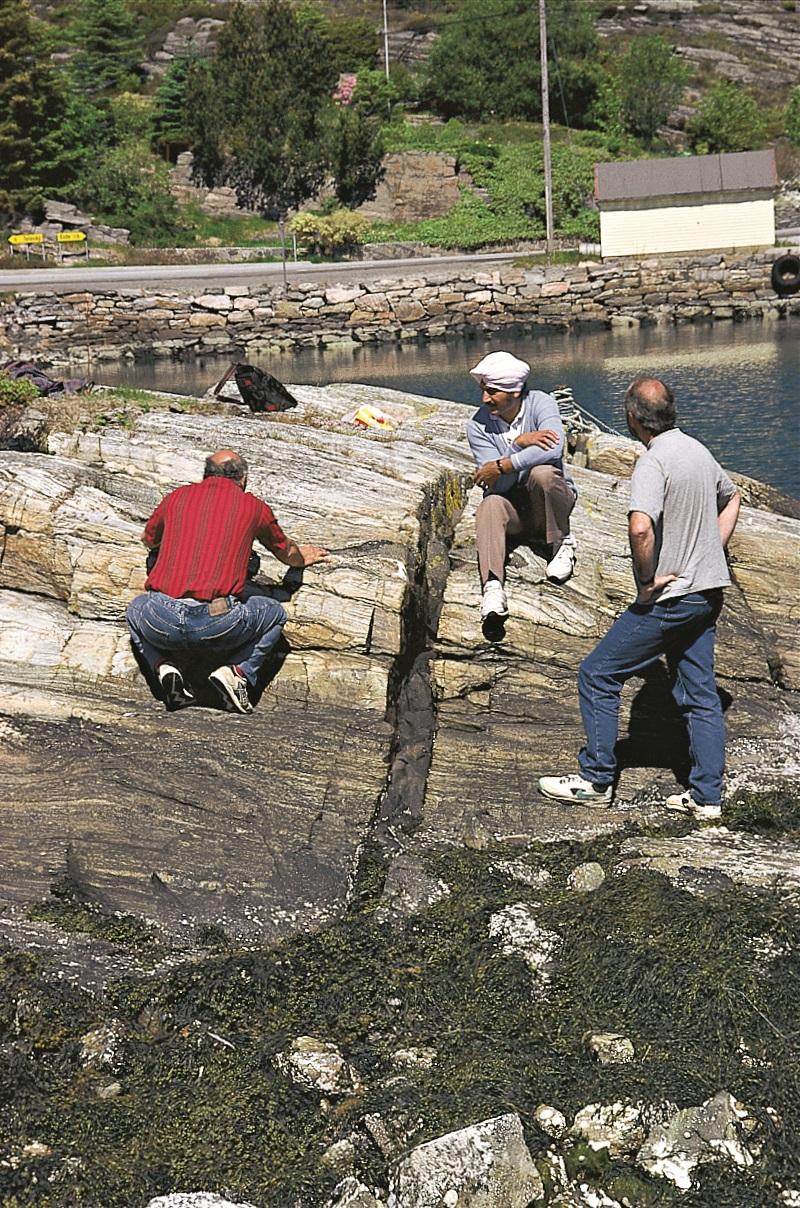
point(433, 305)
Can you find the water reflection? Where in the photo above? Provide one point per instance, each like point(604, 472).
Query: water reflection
point(736, 384)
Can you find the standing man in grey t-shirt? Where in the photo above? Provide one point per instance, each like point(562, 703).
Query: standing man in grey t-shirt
point(683, 510)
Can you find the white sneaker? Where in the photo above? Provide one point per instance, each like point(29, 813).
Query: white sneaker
point(576, 789)
point(232, 687)
point(562, 564)
point(494, 600)
point(176, 694)
point(686, 804)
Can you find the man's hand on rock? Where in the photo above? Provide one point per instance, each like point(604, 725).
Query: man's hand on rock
point(312, 554)
point(544, 439)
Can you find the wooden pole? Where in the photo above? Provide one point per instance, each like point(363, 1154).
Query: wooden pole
point(548, 163)
point(385, 43)
point(282, 229)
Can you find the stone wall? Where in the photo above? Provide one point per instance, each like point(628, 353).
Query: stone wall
point(432, 305)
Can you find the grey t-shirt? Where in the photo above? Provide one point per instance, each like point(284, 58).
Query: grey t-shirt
point(680, 486)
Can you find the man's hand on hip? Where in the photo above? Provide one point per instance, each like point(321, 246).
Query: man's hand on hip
point(649, 592)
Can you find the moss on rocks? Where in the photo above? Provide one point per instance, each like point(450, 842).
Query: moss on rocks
point(706, 988)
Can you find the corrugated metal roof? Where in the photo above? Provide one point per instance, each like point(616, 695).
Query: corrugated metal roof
point(685, 174)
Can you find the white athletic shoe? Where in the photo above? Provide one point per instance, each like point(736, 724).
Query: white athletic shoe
point(575, 789)
point(562, 564)
point(232, 688)
point(493, 601)
point(176, 694)
point(686, 804)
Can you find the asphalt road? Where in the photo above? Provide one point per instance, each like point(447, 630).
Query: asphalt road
point(194, 278)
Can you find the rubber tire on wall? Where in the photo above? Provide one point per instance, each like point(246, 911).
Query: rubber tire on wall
point(786, 275)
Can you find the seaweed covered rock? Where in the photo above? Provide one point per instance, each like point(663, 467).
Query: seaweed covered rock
point(721, 1129)
point(487, 1165)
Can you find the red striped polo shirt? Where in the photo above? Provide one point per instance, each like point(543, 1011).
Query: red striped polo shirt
point(205, 533)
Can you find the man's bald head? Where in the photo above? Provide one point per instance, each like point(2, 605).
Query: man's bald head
point(225, 463)
point(651, 403)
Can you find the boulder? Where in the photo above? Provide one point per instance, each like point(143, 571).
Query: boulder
point(519, 934)
point(195, 1199)
point(318, 1065)
point(586, 877)
point(609, 1048)
point(720, 1129)
point(741, 859)
point(486, 1165)
point(618, 1128)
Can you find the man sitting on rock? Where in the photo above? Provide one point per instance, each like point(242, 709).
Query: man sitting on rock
point(193, 610)
point(517, 440)
point(683, 510)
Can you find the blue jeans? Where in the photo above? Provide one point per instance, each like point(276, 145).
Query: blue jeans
point(181, 631)
point(684, 630)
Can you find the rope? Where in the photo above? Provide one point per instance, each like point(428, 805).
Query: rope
point(577, 417)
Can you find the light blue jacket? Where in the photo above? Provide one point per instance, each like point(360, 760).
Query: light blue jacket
point(486, 434)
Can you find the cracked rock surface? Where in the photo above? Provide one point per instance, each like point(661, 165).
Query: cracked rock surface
point(391, 716)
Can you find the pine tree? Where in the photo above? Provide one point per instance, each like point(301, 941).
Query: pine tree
point(33, 159)
point(109, 46)
point(170, 124)
point(355, 150)
point(258, 109)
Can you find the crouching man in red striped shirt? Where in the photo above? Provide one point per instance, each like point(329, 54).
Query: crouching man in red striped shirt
point(193, 610)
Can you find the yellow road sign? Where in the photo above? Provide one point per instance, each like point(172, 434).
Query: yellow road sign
point(71, 236)
point(27, 237)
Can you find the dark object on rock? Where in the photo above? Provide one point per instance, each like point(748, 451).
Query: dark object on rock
point(786, 275)
point(259, 389)
point(42, 381)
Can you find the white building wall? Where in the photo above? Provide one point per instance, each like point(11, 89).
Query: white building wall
point(636, 231)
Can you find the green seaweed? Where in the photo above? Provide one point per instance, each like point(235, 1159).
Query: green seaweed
point(70, 909)
point(203, 1104)
point(764, 813)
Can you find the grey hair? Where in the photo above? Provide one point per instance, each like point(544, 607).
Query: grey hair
point(233, 467)
point(651, 403)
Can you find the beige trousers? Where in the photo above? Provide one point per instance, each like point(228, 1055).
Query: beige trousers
point(540, 508)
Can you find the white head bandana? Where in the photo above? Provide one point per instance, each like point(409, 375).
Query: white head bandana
point(502, 371)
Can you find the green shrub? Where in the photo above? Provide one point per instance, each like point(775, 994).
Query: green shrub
point(129, 185)
point(727, 119)
point(792, 118)
point(327, 234)
point(17, 391)
point(650, 83)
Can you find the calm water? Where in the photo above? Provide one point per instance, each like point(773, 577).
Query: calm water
point(736, 384)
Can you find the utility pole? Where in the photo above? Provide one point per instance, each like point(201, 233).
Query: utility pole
point(385, 42)
point(548, 163)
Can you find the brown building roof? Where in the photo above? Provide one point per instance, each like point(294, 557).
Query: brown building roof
point(640, 178)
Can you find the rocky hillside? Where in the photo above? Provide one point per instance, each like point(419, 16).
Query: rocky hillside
point(755, 42)
point(444, 937)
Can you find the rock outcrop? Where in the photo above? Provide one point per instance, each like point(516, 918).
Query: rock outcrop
point(756, 42)
point(391, 715)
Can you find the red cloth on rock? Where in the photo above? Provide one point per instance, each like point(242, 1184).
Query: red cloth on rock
point(205, 533)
